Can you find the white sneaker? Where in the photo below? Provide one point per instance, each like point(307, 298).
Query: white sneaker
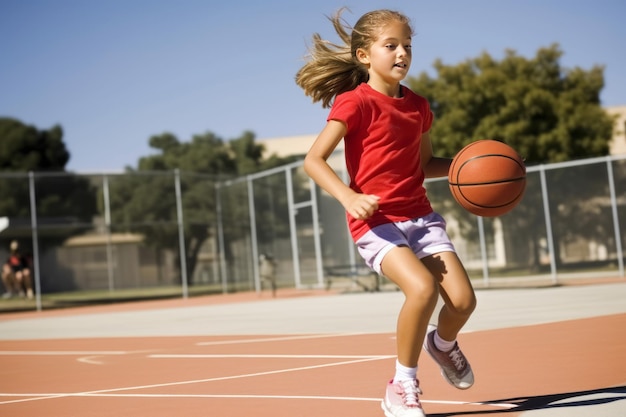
point(402, 399)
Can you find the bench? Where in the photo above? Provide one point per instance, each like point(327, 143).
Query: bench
point(360, 275)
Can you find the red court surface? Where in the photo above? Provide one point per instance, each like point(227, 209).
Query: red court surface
point(575, 367)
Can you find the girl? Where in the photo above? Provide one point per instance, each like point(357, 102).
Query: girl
point(388, 154)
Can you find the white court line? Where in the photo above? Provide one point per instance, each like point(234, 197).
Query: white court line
point(250, 396)
point(266, 356)
point(278, 338)
point(114, 392)
point(196, 381)
point(91, 360)
point(61, 352)
point(88, 356)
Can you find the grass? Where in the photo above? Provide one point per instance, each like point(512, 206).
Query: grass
point(93, 297)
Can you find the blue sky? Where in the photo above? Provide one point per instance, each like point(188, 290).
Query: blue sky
point(113, 73)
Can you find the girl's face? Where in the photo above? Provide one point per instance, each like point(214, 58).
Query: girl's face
point(389, 58)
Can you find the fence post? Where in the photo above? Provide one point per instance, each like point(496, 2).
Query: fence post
point(483, 250)
point(220, 236)
point(618, 237)
point(107, 223)
point(351, 255)
point(253, 235)
point(293, 229)
point(546, 212)
point(181, 233)
point(33, 223)
point(319, 264)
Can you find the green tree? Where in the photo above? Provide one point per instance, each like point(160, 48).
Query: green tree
point(144, 199)
point(546, 112)
point(24, 148)
point(64, 201)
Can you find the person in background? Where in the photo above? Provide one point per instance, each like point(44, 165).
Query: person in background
point(16, 274)
point(267, 271)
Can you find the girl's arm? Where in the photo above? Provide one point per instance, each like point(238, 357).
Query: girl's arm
point(433, 166)
point(359, 206)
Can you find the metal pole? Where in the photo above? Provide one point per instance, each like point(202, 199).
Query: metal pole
point(546, 213)
point(293, 211)
point(317, 235)
point(220, 237)
point(483, 250)
point(33, 222)
point(107, 223)
point(618, 238)
point(181, 233)
point(351, 255)
point(253, 237)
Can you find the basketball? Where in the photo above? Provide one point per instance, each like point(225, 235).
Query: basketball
point(487, 178)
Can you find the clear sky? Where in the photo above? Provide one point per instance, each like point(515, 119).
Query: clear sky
point(113, 73)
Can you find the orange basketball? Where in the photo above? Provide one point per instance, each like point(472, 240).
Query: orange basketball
point(487, 178)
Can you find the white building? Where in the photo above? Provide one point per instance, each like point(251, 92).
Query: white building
point(618, 143)
point(299, 145)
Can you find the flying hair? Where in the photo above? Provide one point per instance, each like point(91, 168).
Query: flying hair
point(332, 69)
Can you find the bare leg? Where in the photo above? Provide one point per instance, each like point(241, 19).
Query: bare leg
point(419, 286)
point(8, 279)
point(19, 282)
point(28, 283)
point(456, 291)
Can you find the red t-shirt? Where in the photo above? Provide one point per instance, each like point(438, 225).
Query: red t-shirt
point(382, 150)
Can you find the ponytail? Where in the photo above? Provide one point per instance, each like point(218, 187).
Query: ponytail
point(331, 69)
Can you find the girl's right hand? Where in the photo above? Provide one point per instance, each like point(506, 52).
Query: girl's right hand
point(362, 206)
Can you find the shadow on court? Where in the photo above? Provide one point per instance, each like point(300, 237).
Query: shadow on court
point(565, 400)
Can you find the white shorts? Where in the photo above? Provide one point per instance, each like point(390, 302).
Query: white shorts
point(424, 235)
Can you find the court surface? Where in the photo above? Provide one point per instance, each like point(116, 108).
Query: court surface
point(557, 351)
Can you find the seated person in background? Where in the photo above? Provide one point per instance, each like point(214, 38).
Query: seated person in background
point(16, 274)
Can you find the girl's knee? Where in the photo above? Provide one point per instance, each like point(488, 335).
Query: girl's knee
point(471, 305)
point(463, 307)
point(424, 291)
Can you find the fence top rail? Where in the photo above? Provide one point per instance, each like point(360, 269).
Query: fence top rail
point(169, 172)
point(225, 180)
point(577, 162)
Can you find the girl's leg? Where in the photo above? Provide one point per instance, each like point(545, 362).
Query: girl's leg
point(460, 301)
point(28, 283)
point(456, 291)
point(419, 286)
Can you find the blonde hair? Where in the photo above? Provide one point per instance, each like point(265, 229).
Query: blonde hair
point(333, 69)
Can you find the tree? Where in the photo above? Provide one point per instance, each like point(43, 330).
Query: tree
point(24, 148)
point(64, 201)
point(144, 199)
point(546, 112)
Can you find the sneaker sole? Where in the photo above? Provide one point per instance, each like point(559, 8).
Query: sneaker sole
point(387, 412)
point(384, 407)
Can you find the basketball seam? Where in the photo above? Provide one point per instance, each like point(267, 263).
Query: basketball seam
point(466, 184)
point(492, 206)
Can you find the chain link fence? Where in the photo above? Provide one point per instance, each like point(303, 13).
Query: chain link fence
point(177, 233)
